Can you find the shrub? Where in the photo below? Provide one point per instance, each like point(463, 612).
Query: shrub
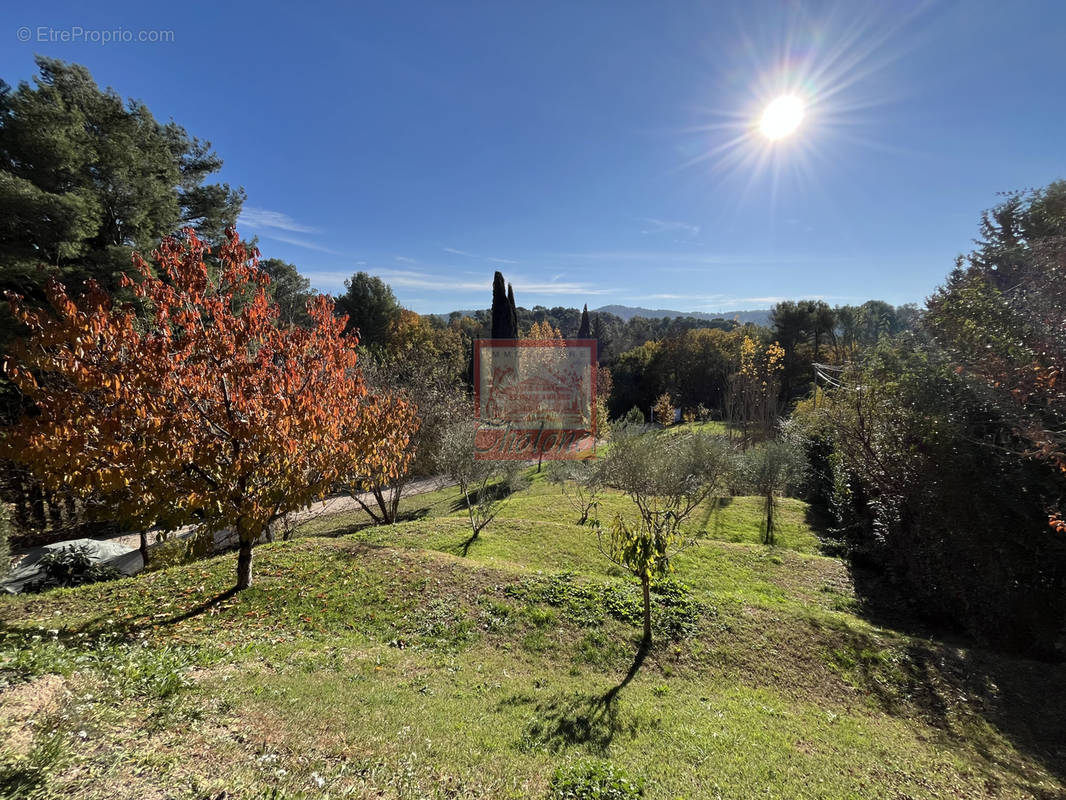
point(925, 495)
point(593, 780)
point(71, 566)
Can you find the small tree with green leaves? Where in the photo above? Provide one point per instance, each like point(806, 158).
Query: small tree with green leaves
point(485, 484)
point(768, 470)
point(667, 477)
point(581, 482)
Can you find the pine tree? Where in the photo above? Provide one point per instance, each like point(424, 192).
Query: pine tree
point(85, 179)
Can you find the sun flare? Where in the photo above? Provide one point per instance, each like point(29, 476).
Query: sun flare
point(781, 117)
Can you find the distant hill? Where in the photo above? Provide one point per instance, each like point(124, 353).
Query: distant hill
point(759, 316)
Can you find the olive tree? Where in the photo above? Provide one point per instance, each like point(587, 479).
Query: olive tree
point(768, 470)
point(666, 476)
point(485, 484)
point(581, 482)
point(430, 385)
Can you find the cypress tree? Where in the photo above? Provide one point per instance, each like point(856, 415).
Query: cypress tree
point(501, 309)
point(583, 331)
point(514, 312)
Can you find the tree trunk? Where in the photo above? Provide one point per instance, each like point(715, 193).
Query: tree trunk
point(55, 510)
point(769, 537)
point(244, 564)
point(22, 504)
point(37, 504)
point(645, 586)
point(383, 506)
point(540, 447)
point(470, 511)
point(144, 549)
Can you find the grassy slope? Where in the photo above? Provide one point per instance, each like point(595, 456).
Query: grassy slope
point(382, 662)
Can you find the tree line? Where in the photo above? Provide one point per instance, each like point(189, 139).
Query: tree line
point(940, 452)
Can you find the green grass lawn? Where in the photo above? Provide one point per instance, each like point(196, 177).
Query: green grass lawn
point(407, 661)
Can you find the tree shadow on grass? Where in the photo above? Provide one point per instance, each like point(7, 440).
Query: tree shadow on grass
point(359, 527)
point(464, 548)
point(820, 521)
point(145, 622)
point(969, 695)
point(965, 690)
point(495, 491)
point(461, 547)
point(708, 519)
point(104, 628)
point(577, 719)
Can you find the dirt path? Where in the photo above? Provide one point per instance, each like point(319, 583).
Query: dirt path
point(338, 504)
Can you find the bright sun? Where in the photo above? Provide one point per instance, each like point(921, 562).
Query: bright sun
point(781, 117)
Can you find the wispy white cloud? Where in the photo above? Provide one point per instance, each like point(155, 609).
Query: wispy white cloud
point(448, 283)
point(321, 278)
point(694, 261)
point(302, 243)
point(264, 218)
point(695, 301)
point(657, 257)
point(653, 226)
point(467, 254)
point(426, 280)
point(763, 300)
point(560, 287)
point(725, 302)
point(405, 260)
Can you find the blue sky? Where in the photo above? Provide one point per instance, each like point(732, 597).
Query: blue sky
point(599, 152)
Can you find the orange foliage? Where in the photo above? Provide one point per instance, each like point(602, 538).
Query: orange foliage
point(544, 331)
point(204, 410)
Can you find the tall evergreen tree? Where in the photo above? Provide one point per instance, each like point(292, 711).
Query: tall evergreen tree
point(514, 312)
point(86, 178)
point(504, 313)
point(371, 308)
point(501, 309)
point(583, 331)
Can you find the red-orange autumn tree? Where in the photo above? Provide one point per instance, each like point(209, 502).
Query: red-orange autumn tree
point(202, 408)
